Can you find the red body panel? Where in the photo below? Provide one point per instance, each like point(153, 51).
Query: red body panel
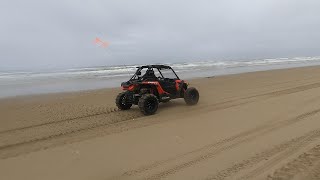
point(130, 88)
point(178, 84)
point(156, 84)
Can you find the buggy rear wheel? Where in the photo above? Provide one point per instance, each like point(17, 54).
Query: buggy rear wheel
point(191, 96)
point(148, 104)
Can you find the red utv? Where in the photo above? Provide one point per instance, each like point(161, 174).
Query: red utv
point(158, 84)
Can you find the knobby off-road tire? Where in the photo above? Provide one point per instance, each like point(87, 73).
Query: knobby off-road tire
point(122, 101)
point(148, 104)
point(191, 96)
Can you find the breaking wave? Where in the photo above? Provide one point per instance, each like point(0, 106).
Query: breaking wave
point(125, 70)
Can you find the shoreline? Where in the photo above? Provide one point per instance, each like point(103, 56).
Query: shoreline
point(119, 88)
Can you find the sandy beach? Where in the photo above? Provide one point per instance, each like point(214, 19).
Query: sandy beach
point(259, 125)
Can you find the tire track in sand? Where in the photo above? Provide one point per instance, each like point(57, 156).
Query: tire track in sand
point(307, 165)
point(254, 98)
point(217, 106)
point(43, 132)
point(204, 153)
point(46, 131)
point(276, 154)
point(108, 111)
point(263, 96)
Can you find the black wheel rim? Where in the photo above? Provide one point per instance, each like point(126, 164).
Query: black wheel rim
point(124, 100)
point(193, 95)
point(150, 105)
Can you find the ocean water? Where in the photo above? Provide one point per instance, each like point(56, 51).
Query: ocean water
point(26, 83)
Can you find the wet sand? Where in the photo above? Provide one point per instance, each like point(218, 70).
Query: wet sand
point(260, 125)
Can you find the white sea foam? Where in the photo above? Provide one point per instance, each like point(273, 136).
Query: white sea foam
point(116, 71)
point(15, 83)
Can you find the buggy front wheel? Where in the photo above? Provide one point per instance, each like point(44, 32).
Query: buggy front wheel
point(122, 101)
point(148, 104)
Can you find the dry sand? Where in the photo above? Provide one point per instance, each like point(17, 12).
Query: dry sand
point(262, 125)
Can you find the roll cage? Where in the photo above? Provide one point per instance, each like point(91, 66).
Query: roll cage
point(159, 68)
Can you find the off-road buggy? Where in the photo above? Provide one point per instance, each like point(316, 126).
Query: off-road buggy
point(159, 83)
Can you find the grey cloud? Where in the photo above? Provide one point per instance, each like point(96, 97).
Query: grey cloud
point(59, 34)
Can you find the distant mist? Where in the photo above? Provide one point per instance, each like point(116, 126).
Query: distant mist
point(60, 34)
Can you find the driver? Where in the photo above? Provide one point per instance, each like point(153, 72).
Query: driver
point(149, 75)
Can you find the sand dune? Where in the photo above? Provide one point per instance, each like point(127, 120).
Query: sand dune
point(262, 125)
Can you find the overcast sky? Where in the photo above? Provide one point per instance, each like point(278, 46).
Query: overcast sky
point(38, 34)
